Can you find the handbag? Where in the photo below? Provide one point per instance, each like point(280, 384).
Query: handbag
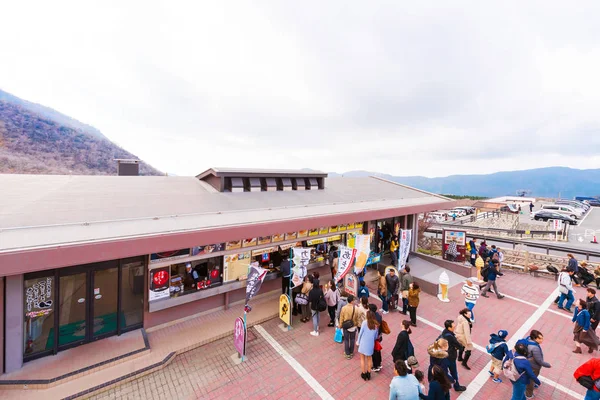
point(385, 328)
point(377, 346)
point(350, 322)
point(338, 336)
point(301, 299)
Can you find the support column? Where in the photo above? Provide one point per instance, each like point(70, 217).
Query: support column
point(14, 323)
point(1, 325)
point(414, 246)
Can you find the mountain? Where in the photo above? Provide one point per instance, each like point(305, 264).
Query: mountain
point(542, 182)
point(35, 139)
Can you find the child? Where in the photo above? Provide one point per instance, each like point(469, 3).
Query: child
point(498, 349)
point(421, 378)
point(363, 291)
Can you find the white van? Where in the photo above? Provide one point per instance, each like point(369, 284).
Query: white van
point(436, 216)
point(564, 210)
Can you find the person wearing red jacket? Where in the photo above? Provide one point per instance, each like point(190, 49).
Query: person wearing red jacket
point(591, 369)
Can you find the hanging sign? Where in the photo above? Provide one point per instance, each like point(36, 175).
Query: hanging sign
point(256, 276)
point(362, 244)
point(159, 283)
point(301, 259)
point(285, 312)
point(405, 238)
point(351, 284)
point(345, 261)
point(239, 336)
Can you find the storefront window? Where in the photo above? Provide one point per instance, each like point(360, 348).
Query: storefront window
point(39, 315)
point(236, 266)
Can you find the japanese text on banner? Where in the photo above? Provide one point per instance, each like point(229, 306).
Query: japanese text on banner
point(345, 260)
point(301, 260)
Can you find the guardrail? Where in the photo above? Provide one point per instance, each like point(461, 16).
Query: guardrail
point(521, 233)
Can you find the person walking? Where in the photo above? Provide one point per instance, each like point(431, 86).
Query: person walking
point(405, 282)
point(366, 344)
point(531, 207)
point(439, 386)
point(413, 301)
point(404, 385)
point(403, 347)
point(573, 265)
point(332, 296)
point(471, 292)
point(314, 297)
point(382, 292)
point(498, 349)
point(377, 349)
point(535, 355)
point(349, 324)
point(393, 285)
point(593, 308)
point(581, 331)
point(589, 370)
point(523, 368)
point(463, 335)
point(454, 347)
point(302, 298)
point(394, 245)
point(491, 277)
point(565, 287)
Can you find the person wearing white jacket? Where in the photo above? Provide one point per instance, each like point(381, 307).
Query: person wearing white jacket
point(565, 287)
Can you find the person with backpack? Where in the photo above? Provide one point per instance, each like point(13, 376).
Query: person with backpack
point(483, 251)
point(517, 369)
point(454, 347)
point(471, 293)
point(463, 335)
point(587, 375)
point(332, 296)
point(581, 331)
point(349, 324)
point(316, 298)
point(363, 291)
point(565, 287)
point(491, 275)
point(382, 292)
point(497, 349)
point(535, 355)
point(366, 344)
point(403, 347)
point(405, 282)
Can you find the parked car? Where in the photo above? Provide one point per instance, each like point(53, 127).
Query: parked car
point(563, 209)
point(574, 203)
point(458, 211)
point(594, 203)
point(468, 209)
point(545, 215)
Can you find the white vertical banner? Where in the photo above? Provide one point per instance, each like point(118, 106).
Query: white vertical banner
point(345, 260)
point(301, 260)
point(362, 244)
point(405, 237)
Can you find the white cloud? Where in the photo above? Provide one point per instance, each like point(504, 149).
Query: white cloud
point(402, 89)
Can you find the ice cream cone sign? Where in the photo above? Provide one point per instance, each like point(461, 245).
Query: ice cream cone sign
point(443, 292)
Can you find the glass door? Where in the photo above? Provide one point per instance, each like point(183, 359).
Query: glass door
point(72, 306)
point(104, 302)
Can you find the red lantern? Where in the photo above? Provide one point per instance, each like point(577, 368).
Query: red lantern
point(160, 278)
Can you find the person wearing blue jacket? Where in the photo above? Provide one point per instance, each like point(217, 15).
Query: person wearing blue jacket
point(491, 279)
point(523, 367)
point(499, 351)
point(363, 291)
point(582, 332)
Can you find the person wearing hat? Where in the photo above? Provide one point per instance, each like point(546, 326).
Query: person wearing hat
point(498, 349)
point(471, 292)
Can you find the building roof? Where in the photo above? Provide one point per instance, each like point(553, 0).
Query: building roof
point(56, 210)
point(250, 172)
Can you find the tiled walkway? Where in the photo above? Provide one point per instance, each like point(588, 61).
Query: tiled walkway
point(208, 372)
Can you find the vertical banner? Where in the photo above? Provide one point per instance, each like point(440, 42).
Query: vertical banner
point(362, 244)
point(256, 276)
point(405, 237)
point(239, 336)
point(285, 312)
point(345, 260)
point(301, 259)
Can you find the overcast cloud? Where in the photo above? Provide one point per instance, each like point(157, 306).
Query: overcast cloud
point(405, 88)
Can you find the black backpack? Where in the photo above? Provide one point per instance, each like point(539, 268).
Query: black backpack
point(485, 272)
point(321, 304)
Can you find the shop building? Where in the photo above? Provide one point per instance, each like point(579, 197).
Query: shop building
point(87, 257)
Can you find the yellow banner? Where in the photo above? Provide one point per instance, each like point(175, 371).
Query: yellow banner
point(285, 313)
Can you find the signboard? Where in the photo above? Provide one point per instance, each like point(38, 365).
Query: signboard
point(278, 238)
point(334, 229)
point(457, 237)
point(302, 234)
point(234, 245)
point(350, 226)
point(313, 232)
point(239, 336)
point(345, 261)
point(405, 239)
point(351, 284)
point(301, 259)
point(288, 246)
point(208, 249)
point(267, 250)
point(342, 227)
point(285, 312)
point(256, 276)
point(291, 235)
point(374, 258)
point(334, 238)
point(264, 240)
point(556, 224)
point(249, 242)
point(323, 231)
point(362, 244)
point(236, 265)
point(159, 283)
point(169, 255)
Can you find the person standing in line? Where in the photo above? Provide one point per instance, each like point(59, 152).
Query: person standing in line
point(573, 265)
point(565, 287)
point(471, 293)
point(332, 296)
point(438, 356)
point(286, 272)
point(382, 292)
point(581, 331)
point(363, 291)
point(366, 344)
point(349, 323)
point(593, 308)
point(491, 277)
point(439, 386)
point(393, 285)
point(472, 251)
point(454, 347)
point(404, 385)
point(406, 280)
point(361, 310)
point(394, 245)
point(479, 263)
point(341, 303)
point(377, 349)
point(536, 358)
point(463, 335)
point(590, 369)
point(314, 296)
point(403, 347)
point(498, 349)
point(306, 288)
point(413, 301)
point(523, 367)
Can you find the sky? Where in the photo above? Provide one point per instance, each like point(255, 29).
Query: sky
point(404, 88)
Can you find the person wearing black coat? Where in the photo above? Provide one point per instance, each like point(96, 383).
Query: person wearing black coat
point(403, 347)
point(593, 308)
point(454, 347)
point(313, 297)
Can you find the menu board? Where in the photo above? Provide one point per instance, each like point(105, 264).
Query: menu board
point(343, 227)
point(267, 250)
point(312, 242)
point(291, 235)
point(288, 246)
point(333, 229)
point(302, 234)
point(236, 265)
point(323, 231)
point(234, 245)
point(210, 248)
point(249, 242)
point(350, 226)
point(264, 240)
point(278, 238)
point(334, 238)
point(313, 232)
point(358, 225)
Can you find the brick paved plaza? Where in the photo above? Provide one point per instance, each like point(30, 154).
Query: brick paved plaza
point(209, 372)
